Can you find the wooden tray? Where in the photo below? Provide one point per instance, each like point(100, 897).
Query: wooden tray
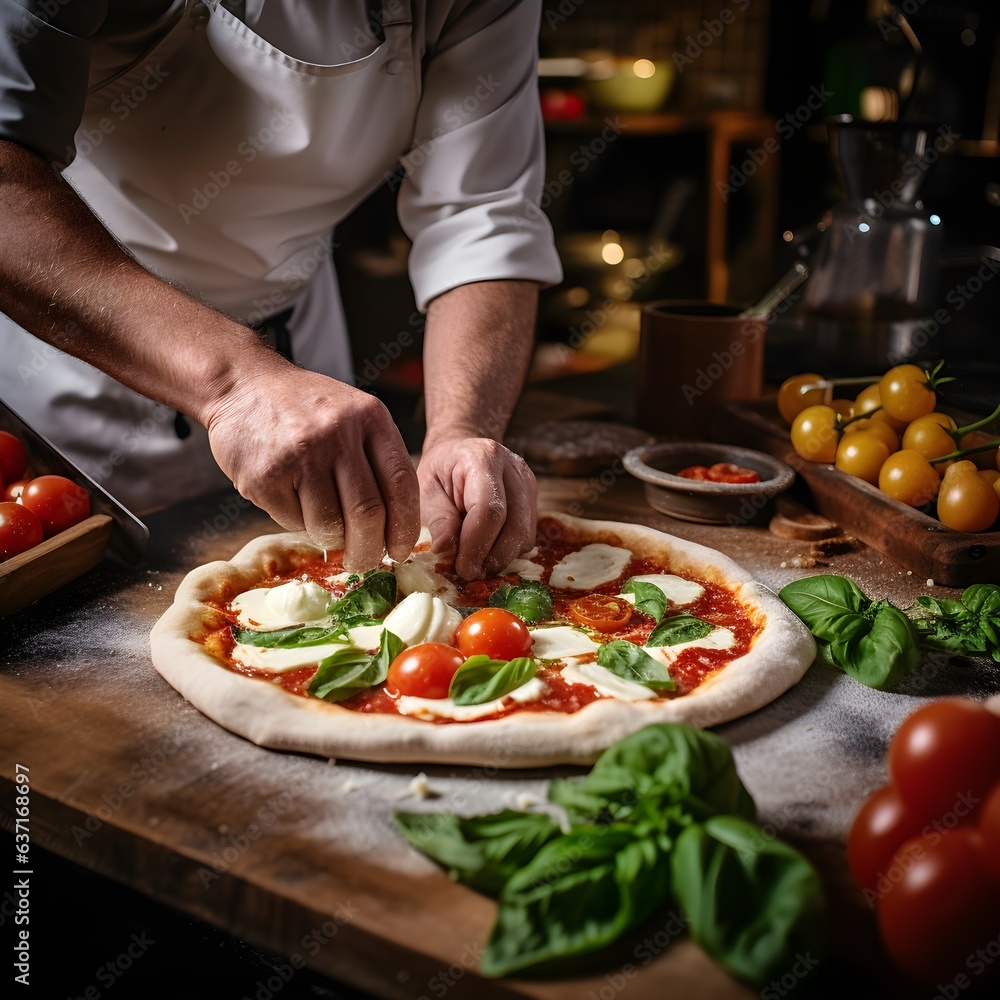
point(46, 567)
point(915, 540)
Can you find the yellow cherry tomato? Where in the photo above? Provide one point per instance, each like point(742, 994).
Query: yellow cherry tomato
point(905, 393)
point(844, 408)
point(870, 400)
point(966, 502)
point(929, 435)
point(908, 477)
point(983, 459)
point(792, 400)
point(862, 455)
point(877, 427)
point(990, 475)
point(815, 435)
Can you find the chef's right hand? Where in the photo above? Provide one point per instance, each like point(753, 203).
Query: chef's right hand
point(318, 454)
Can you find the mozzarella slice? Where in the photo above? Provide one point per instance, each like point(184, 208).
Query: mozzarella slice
point(525, 567)
point(675, 589)
point(591, 566)
point(417, 574)
point(718, 638)
point(366, 636)
point(445, 708)
point(293, 603)
point(280, 661)
point(561, 640)
point(422, 617)
point(605, 682)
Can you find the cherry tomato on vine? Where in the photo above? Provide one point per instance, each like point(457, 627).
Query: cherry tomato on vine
point(882, 824)
point(940, 907)
point(815, 435)
point(879, 428)
point(945, 758)
point(14, 490)
point(905, 393)
point(908, 477)
point(20, 530)
point(844, 408)
point(424, 670)
point(603, 614)
point(966, 502)
point(982, 459)
point(929, 435)
point(499, 634)
point(862, 455)
point(13, 457)
point(792, 401)
point(58, 502)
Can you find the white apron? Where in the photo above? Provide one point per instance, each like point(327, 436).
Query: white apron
point(223, 163)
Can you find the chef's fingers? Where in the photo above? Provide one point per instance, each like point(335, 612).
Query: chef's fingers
point(485, 503)
point(439, 513)
point(364, 511)
point(519, 527)
point(322, 516)
point(397, 484)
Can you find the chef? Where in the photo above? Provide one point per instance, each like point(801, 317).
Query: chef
point(178, 324)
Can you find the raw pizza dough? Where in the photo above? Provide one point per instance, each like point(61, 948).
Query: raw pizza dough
point(270, 716)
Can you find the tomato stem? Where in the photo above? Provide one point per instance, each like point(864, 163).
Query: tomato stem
point(840, 425)
point(960, 432)
point(962, 452)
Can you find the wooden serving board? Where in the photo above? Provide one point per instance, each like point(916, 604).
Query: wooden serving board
point(26, 577)
point(915, 540)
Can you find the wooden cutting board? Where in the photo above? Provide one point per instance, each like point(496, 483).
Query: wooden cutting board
point(915, 540)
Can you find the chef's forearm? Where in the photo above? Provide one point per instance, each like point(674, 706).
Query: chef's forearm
point(65, 279)
point(477, 349)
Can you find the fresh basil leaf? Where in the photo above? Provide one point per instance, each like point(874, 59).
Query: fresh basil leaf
point(578, 895)
point(877, 651)
point(632, 663)
point(370, 601)
point(649, 599)
point(679, 628)
point(642, 777)
point(824, 602)
point(481, 679)
point(292, 638)
point(529, 599)
point(754, 904)
point(982, 599)
point(482, 852)
point(350, 671)
point(970, 625)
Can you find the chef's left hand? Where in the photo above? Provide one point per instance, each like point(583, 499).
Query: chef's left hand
point(480, 502)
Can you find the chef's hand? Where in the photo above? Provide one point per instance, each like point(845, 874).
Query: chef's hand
point(480, 502)
point(318, 454)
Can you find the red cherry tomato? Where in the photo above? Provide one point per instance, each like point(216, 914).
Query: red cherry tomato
point(603, 614)
point(881, 826)
point(945, 758)
point(424, 670)
point(941, 906)
point(13, 457)
point(58, 502)
point(13, 492)
point(989, 827)
point(20, 529)
point(499, 634)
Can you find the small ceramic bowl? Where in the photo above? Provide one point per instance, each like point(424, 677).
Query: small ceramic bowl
point(700, 501)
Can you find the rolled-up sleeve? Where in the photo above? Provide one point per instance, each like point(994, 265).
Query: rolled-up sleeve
point(469, 199)
point(44, 64)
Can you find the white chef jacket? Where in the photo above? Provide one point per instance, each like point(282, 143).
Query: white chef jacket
point(222, 142)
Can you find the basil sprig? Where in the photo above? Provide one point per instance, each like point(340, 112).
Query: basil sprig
point(649, 599)
point(969, 625)
point(872, 641)
point(481, 679)
point(662, 816)
point(368, 602)
point(351, 671)
point(529, 599)
point(677, 629)
point(292, 638)
point(632, 663)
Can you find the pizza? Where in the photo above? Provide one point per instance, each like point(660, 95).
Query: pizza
point(599, 630)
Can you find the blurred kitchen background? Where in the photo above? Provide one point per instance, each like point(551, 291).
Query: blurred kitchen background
point(691, 156)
